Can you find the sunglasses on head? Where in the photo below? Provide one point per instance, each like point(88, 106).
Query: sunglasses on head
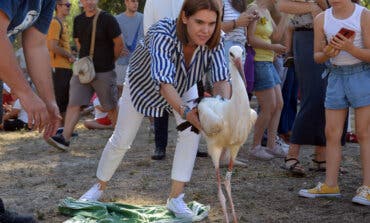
point(66, 4)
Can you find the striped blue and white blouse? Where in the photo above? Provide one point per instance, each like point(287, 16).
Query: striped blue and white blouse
point(159, 59)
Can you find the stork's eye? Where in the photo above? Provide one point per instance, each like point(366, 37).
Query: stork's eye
point(232, 55)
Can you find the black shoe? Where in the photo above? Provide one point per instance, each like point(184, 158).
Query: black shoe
point(202, 154)
point(11, 217)
point(159, 154)
point(59, 142)
point(60, 131)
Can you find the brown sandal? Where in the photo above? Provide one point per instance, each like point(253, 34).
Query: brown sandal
point(295, 169)
point(320, 166)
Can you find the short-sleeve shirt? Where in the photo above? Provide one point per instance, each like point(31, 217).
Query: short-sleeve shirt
point(159, 59)
point(27, 13)
point(132, 31)
point(56, 32)
point(107, 29)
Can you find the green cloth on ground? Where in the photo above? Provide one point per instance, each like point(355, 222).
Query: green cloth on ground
point(99, 212)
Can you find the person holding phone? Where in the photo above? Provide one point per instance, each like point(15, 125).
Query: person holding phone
point(342, 36)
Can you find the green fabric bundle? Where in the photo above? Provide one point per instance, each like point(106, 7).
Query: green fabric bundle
point(99, 212)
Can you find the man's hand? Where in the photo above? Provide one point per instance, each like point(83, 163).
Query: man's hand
point(54, 120)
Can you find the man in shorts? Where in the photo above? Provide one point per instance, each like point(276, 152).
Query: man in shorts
point(108, 47)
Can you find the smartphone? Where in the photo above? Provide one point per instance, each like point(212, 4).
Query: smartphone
point(346, 33)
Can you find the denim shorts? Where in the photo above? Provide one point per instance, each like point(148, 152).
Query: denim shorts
point(265, 75)
point(348, 86)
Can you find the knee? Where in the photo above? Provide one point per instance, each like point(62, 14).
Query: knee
point(333, 132)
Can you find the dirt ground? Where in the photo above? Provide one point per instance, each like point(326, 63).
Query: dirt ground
point(35, 177)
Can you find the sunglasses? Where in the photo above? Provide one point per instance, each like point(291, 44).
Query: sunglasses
point(66, 4)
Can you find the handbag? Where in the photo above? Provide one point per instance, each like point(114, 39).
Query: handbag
point(84, 67)
point(249, 67)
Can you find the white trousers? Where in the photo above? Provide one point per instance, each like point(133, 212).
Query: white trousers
point(128, 123)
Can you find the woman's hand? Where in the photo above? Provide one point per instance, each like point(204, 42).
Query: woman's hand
point(330, 51)
point(340, 42)
point(278, 48)
point(245, 18)
point(193, 118)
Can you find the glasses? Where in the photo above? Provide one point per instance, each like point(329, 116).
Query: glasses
point(66, 4)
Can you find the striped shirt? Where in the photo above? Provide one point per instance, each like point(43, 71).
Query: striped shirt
point(159, 58)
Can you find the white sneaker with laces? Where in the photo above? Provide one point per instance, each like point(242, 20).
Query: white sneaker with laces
point(93, 194)
point(362, 196)
point(280, 142)
point(179, 207)
point(259, 152)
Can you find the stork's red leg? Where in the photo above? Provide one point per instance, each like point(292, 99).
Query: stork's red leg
point(228, 189)
point(221, 195)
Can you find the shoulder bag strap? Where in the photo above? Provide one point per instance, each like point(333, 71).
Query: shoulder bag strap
point(93, 33)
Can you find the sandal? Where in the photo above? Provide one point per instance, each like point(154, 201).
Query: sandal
point(295, 168)
point(320, 166)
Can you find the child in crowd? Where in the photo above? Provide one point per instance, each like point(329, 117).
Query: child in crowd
point(349, 77)
point(101, 120)
point(261, 34)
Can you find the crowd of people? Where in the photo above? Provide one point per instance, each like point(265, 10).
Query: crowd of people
point(156, 63)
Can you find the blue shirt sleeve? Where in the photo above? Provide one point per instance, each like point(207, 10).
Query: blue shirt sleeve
point(46, 14)
point(219, 67)
point(163, 68)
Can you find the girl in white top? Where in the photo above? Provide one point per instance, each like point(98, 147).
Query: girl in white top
point(348, 85)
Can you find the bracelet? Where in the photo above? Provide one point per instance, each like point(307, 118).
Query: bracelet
point(186, 111)
point(234, 24)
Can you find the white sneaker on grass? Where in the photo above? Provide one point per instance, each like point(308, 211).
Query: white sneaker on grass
point(179, 207)
point(93, 194)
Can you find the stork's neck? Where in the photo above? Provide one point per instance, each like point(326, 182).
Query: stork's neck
point(239, 93)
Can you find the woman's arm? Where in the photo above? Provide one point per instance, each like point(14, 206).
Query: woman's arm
point(256, 42)
point(298, 8)
point(174, 99)
point(322, 51)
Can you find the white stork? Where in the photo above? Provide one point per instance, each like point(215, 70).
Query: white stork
point(226, 124)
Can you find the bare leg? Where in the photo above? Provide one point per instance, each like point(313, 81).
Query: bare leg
point(112, 114)
point(274, 122)
point(221, 196)
point(362, 123)
point(267, 102)
point(72, 117)
point(177, 188)
point(228, 189)
point(333, 131)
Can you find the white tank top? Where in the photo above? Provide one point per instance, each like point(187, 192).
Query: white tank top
point(332, 27)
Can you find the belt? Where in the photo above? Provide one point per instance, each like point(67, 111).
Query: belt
point(303, 29)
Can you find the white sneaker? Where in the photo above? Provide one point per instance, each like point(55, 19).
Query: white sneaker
point(259, 152)
point(362, 196)
point(280, 142)
point(277, 151)
point(179, 207)
point(94, 194)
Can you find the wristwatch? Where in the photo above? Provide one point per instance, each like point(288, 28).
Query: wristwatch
point(186, 110)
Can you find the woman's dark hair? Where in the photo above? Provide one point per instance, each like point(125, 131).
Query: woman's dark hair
point(239, 5)
point(191, 7)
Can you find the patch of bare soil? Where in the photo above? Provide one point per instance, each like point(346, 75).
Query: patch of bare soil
point(35, 177)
